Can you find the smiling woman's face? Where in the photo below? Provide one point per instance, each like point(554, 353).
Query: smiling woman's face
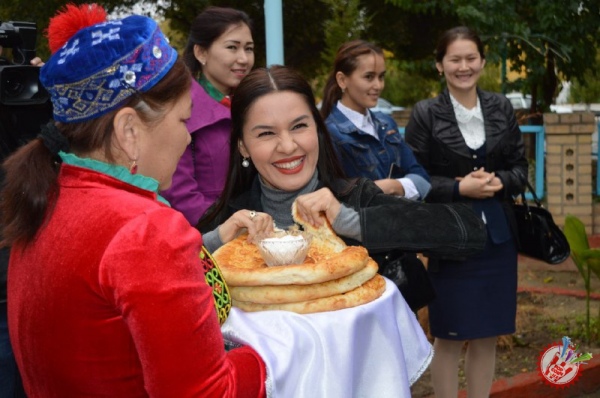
point(280, 138)
point(462, 65)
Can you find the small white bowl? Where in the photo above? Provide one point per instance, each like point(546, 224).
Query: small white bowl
point(284, 250)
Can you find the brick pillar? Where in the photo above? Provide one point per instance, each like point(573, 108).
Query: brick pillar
point(569, 166)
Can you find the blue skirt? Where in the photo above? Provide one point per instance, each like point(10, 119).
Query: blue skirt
point(476, 298)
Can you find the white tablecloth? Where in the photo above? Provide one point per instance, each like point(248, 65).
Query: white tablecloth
point(375, 350)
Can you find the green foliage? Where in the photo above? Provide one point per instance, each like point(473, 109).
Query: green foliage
point(587, 88)
point(347, 22)
point(546, 40)
point(586, 260)
point(404, 87)
point(41, 11)
point(490, 79)
point(538, 37)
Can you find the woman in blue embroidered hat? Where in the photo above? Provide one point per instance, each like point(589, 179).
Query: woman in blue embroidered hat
point(107, 294)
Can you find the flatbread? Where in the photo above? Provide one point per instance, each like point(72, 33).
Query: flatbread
point(324, 237)
point(295, 293)
point(242, 265)
point(369, 291)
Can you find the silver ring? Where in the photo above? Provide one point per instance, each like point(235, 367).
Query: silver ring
point(252, 215)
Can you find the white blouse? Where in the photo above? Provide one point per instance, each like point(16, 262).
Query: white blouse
point(470, 123)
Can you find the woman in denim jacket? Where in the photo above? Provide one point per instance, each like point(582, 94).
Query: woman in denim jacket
point(368, 143)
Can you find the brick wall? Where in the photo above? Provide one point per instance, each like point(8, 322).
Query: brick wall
point(569, 166)
point(596, 218)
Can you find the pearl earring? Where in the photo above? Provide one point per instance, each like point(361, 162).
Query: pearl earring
point(245, 162)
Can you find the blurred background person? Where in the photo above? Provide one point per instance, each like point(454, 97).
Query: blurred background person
point(219, 52)
point(10, 379)
point(107, 294)
point(369, 143)
point(469, 142)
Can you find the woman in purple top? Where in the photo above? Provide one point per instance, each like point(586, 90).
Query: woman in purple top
point(219, 53)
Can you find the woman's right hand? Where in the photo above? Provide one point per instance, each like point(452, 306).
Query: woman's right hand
point(256, 223)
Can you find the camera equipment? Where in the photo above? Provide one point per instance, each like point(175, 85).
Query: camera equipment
point(24, 102)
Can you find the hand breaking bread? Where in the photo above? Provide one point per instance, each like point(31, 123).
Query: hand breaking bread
point(333, 276)
point(326, 238)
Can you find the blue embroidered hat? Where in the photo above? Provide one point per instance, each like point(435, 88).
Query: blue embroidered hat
point(103, 64)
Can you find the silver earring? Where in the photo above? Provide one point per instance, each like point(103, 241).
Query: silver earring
point(245, 162)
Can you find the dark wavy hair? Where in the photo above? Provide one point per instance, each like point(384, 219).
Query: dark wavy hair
point(456, 33)
point(258, 83)
point(30, 186)
point(346, 61)
point(207, 27)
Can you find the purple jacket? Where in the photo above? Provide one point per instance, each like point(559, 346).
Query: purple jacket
point(202, 170)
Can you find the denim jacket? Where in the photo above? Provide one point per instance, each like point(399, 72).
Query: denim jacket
point(362, 155)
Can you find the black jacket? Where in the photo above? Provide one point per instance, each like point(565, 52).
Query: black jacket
point(390, 224)
point(433, 134)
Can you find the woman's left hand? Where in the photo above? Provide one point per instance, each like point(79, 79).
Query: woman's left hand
point(311, 205)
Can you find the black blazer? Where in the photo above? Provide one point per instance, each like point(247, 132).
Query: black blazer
point(433, 134)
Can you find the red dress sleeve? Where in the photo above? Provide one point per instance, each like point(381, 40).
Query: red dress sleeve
point(152, 273)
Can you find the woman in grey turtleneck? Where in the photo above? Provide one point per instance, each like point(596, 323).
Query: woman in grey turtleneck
point(280, 152)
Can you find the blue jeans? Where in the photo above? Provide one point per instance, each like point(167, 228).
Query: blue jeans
point(10, 380)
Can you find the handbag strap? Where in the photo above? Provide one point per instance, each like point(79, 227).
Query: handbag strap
point(528, 185)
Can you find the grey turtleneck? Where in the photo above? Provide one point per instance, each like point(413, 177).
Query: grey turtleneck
point(278, 204)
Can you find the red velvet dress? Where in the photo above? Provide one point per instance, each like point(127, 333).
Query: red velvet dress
point(110, 300)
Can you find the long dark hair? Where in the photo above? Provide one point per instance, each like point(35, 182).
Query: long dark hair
point(207, 27)
point(258, 83)
point(346, 61)
point(30, 186)
point(456, 33)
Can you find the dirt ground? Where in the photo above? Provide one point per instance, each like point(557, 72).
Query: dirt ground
point(542, 320)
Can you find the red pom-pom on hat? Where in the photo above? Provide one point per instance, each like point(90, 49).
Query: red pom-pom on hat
point(70, 20)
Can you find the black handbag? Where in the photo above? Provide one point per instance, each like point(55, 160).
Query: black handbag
point(539, 237)
point(410, 275)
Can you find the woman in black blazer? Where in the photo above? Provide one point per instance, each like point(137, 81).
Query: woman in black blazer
point(469, 142)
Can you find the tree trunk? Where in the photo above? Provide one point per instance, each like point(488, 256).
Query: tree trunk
point(549, 82)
